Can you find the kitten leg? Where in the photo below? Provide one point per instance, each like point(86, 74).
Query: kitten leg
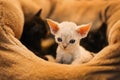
point(59, 58)
point(83, 59)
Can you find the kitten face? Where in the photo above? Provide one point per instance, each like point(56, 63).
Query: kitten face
point(68, 34)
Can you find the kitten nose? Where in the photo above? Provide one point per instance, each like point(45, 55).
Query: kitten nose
point(64, 46)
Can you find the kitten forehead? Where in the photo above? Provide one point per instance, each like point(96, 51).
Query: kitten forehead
point(67, 25)
point(67, 29)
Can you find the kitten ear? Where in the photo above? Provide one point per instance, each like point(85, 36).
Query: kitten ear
point(84, 29)
point(38, 13)
point(53, 26)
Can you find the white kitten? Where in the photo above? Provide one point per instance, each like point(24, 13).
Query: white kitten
point(68, 36)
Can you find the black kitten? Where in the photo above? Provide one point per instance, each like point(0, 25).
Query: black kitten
point(99, 37)
point(34, 31)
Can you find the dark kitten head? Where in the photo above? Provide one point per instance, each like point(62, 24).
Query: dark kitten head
point(38, 26)
point(34, 30)
point(96, 40)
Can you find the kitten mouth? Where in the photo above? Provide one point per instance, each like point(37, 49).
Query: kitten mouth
point(64, 47)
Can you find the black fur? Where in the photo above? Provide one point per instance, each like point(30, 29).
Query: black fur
point(34, 31)
point(96, 40)
point(37, 29)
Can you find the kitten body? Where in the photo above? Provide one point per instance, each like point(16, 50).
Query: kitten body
point(75, 55)
point(34, 31)
point(68, 36)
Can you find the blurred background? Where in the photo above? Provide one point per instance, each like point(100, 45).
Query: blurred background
point(37, 37)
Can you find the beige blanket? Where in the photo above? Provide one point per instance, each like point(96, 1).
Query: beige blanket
point(18, 63)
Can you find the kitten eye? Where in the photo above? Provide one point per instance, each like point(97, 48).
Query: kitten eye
point(72, 41)
point(59, 39)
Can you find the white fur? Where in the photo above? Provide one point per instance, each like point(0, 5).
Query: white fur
point(73, 53)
